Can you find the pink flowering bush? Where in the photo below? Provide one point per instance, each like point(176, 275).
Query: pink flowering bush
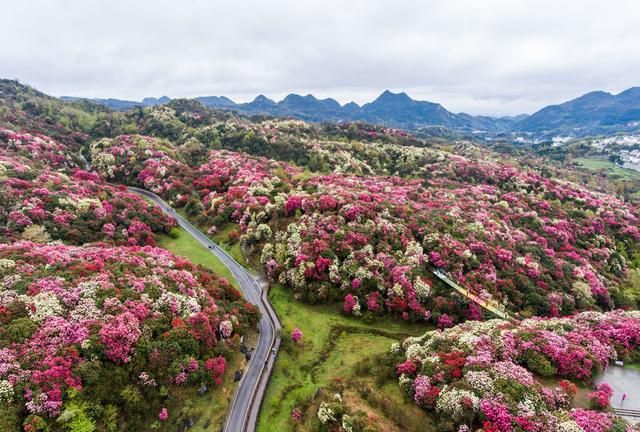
point(163, 415)
point(484, 373)
point(119, 337)
point(107, 322)
point(601, 397)
point(296, 415)
point(296, 335)
point(593, 421)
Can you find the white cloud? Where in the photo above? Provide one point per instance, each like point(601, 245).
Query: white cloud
point(484, 57)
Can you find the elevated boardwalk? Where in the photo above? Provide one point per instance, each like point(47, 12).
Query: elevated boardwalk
point(492, 307)
point(627, 412)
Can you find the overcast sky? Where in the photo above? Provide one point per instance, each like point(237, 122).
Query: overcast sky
point(479, 56)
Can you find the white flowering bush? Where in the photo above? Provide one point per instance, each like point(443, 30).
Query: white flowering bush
point(457, 403)
point(325, 413)
point(6, 392)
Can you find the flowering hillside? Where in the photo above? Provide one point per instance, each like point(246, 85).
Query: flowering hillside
point(117, 334)
point(143, 161)
point(540, 246)
point(38, 148)
point(102, 335)
point(42, 202)
point(98, 336)
point(488, 373)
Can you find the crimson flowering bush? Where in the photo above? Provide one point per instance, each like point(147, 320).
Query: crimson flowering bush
point(484, 373)
point(126, 322)
point(601, 397)
point(296, 335)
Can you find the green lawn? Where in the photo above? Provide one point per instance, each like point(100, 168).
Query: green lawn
point(609, 167)
point(233, 249)
point(332, 344)
point(186, 246)
point(222, 239)
point(635, 366)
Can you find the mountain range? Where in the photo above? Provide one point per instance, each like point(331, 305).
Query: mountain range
point(595, 113)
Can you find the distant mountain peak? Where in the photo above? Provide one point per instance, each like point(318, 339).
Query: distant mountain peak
point(156, 101)
point(216, 101)
point(262, 99)
point(630, 92)
point(295, 98)
point(388, 96)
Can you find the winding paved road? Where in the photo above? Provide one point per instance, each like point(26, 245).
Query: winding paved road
point(245, 407)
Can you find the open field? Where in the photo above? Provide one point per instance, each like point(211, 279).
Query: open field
point(186, 246)
point(635, 366)
point(609, 167)
point(333, 344)
point(233, 249)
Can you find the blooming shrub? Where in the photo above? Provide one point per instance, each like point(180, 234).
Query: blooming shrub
point(336, 416)
point(296, 415)
point(216, 367)
point(163, 415)
point(592, 421)
point(601, 397)
point(296, 335)
point(476, 373)
point(127, 321)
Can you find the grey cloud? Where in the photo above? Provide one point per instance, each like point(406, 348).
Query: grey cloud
point(483, 57)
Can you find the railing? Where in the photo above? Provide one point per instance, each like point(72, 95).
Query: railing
point(627, 412)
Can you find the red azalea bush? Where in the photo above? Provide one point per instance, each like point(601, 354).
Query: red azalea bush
point(80, 326)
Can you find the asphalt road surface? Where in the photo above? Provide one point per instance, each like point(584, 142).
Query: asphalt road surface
point(245, 407)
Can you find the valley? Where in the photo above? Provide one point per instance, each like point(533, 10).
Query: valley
point(378, 279)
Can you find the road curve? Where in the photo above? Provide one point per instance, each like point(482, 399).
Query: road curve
point(243, 415)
